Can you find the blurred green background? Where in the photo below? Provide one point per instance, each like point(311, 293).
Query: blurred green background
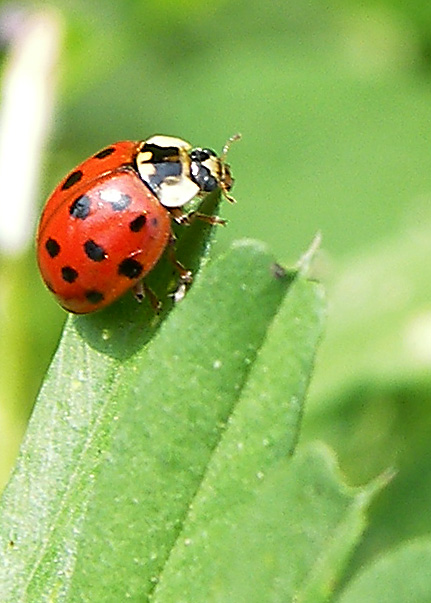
point(333, 100)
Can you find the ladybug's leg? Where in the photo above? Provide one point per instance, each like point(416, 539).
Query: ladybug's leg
point(186, 276)
point(196, 215)
point(141, 290)
point(188, 218)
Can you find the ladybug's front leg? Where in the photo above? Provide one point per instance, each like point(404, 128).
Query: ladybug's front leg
point(186, 276)
point(188, 218)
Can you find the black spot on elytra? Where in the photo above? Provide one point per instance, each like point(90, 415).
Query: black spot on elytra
point(72, 179)
point(105, 153)
point(123, 202)
point(80, 208)
point(94, 296)
point(69, 274)
point(154, 221)
point(130, 268)
point(52, 247)
point(138, 223)
point(94, 251)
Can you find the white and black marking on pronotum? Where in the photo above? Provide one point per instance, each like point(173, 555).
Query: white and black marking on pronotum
point(160, 154)
point(163, 164)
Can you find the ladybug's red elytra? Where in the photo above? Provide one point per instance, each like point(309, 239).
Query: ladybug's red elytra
point(109, 221)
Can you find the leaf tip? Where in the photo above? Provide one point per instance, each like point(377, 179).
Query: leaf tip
point(307, 258)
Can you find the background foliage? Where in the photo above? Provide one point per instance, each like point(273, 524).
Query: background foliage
point(334, 104)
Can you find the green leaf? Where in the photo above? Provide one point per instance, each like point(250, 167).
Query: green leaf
point(262, 430)
point(378, 330)
point(287, 540)
point(370, 395)
point(123, 432)
point(400, 576)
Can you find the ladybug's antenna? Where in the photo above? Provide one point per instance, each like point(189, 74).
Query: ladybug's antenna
point(226, 180)
point(227, 146)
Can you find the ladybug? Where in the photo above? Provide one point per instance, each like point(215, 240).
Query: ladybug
point(109, 221)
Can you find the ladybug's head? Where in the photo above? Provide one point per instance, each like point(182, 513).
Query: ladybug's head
point(209, 171)
point(176, 173)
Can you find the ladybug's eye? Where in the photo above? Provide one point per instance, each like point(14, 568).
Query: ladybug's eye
point(200, 155)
